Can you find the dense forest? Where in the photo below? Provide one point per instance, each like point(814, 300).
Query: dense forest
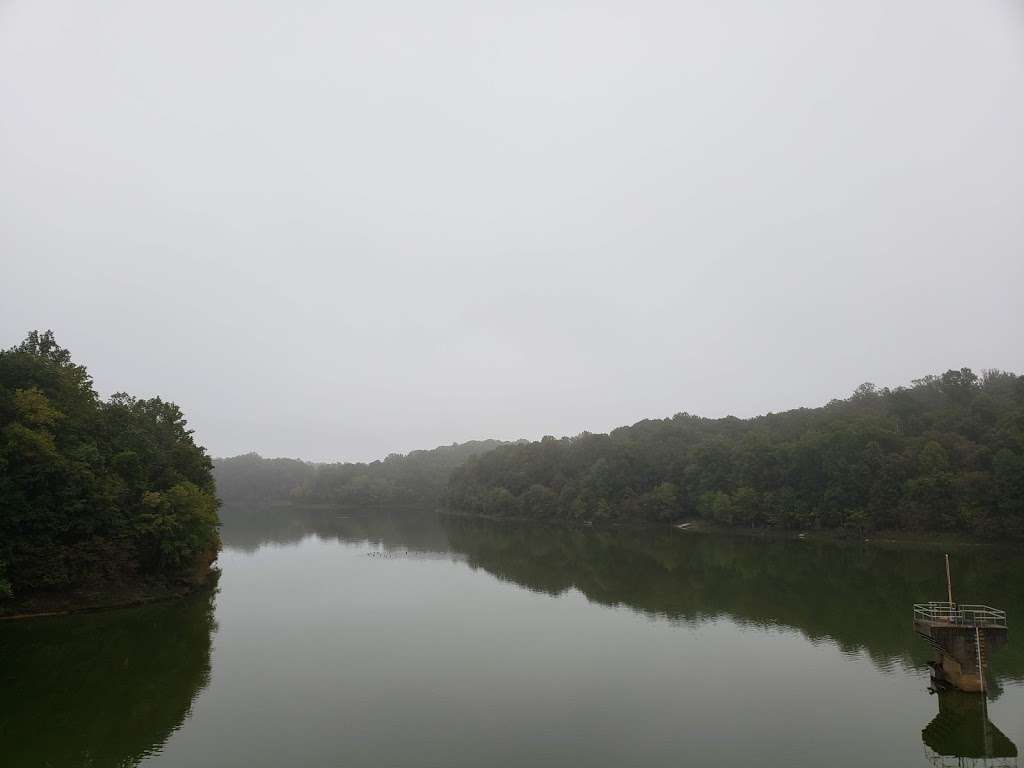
point(95, 494)
point(415, 478)
point(945, 454)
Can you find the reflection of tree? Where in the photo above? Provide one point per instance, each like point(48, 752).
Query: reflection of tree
point(859, 597)
point(248, 527)
point(102, 689)
point(962, 735)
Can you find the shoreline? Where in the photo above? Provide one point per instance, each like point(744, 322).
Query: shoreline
point(841, 536)
point(837, 536)
point(99, 598)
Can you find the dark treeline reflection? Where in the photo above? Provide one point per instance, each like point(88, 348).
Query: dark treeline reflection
point(857, 596)
point(103, 689)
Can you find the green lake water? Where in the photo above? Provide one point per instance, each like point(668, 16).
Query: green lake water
point(411, 640)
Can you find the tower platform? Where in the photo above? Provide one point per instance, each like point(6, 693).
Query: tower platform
point(964, 637)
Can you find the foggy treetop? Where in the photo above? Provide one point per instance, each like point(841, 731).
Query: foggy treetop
point(946, 454)
point(99, 494)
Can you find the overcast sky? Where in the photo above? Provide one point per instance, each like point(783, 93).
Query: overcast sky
point(336, 230)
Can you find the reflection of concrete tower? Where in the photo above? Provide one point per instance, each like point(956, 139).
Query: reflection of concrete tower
point(961, 735)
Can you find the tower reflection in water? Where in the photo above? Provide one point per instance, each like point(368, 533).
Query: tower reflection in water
point(962, 735)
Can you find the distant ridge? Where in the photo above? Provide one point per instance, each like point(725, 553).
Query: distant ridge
point(418, 476)
point(945, 454)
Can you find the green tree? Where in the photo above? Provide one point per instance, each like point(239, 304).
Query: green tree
point(946, 453)
point(94, 492)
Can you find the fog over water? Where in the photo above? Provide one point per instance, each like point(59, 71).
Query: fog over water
point(337, 230)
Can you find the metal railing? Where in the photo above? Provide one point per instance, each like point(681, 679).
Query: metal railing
point(947, 761)
point(960, 614)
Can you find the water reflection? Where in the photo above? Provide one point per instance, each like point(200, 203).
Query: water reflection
point(857, 596)
point(962, 735)
point(247, 528)
point(103, 689)
point(328, 654)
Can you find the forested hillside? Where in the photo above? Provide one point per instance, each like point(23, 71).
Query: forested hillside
point(945, 454)
point(419, 476)
point(94, 493)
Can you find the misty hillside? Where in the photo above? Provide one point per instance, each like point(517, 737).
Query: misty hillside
point(944, 454)
point(418, 476)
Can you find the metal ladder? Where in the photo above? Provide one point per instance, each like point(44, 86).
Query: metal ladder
point(979, 647)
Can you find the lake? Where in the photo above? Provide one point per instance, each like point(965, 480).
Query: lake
point(404, 639)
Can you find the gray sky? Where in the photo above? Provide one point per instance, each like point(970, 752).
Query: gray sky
point(335, 230)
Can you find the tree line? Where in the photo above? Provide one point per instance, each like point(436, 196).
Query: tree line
point(415, 478)
point(95, 492)
point(944, 454)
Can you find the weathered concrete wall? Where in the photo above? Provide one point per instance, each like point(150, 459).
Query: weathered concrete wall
point(957, 662)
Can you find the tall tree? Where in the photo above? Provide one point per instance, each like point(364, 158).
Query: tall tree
point(94, 491)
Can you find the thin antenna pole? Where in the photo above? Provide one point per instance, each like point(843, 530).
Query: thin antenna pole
point(949, 582)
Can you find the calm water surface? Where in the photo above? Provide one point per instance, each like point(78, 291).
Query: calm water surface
point(405, 640)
